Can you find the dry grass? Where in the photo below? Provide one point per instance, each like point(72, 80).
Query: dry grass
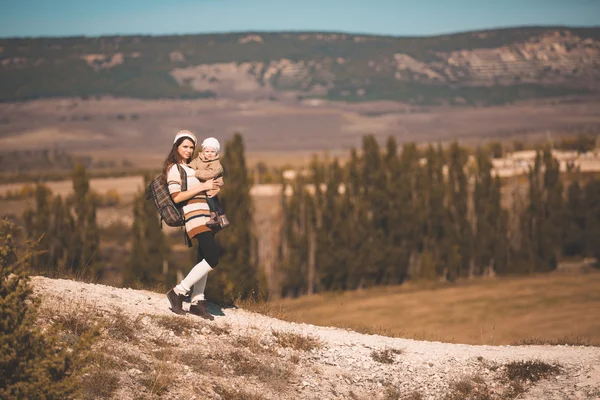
point(100, 383)
point(178, 325)
point(161, 341)
point(412, 396)
point(216, 329)
point(493, 311)
point(385, 356)
point(100, 377)
point(391, 393)
point(561, 341)
point(272, 308)
point(296, 341)
point(74, 321)
point(530, 371)
point(469, 388)
point(238, 363)
point(122, 328)
point(235, 393)
point(254, 344)
point(162, 376)
point(248, 365)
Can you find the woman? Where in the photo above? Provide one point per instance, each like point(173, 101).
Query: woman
point(197, 213)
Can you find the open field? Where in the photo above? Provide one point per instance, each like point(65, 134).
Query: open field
point(141, 131)
point(493, 311)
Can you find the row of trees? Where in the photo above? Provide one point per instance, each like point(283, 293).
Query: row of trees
point(65, 228)
point(384, 218)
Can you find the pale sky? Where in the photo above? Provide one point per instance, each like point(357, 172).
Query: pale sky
point(33, 18)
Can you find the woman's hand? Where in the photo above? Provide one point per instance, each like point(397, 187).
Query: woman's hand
point(208, 185)
point(203, 187)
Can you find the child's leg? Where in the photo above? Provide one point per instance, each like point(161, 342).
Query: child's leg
point(213, 204)
point(216, 205)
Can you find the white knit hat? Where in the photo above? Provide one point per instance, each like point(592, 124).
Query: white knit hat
point(186, 134)
point(212, 142)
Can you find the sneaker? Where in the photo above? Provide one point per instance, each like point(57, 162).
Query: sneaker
point(223, 221)
point(176, 301)
point(200, 310)
point(214, 220)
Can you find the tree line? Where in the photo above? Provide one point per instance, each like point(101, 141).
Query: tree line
point(384, 217)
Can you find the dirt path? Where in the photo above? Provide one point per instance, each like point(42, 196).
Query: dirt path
point(346, 364)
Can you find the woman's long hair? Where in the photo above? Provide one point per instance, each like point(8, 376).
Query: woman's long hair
point(173, 157)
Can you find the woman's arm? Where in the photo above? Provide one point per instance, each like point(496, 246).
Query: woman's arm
point(188, 194)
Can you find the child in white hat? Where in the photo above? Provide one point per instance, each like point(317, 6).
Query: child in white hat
point(208, 166)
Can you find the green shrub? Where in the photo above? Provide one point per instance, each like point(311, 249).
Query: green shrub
point(33, 364)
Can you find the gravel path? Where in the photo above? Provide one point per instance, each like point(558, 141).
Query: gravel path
point(345, 367)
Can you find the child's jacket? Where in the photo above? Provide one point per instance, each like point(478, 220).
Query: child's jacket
point(207, 169)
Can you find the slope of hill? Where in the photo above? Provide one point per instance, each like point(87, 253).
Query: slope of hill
point(145, 351)
point(484, 67)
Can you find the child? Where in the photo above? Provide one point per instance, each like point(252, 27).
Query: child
point(208, 166)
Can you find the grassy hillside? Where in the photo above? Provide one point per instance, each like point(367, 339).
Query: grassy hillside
point(484, 67)
point(553, 308)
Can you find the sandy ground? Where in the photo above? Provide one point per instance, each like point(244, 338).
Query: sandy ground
point(342, 367)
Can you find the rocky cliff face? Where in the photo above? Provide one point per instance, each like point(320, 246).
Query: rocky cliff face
point(315, 65)
point(550, 58)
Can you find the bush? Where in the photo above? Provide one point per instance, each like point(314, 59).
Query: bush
point(32, 364)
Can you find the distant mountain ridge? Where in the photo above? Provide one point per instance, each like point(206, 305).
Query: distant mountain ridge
point(482, 68)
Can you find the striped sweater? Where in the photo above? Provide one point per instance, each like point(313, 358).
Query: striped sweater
point(196, 210)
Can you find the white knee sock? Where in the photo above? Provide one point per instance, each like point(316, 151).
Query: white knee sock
point(198, 292)
point(199, 271)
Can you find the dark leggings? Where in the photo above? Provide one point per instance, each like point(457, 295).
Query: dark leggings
point(207, 248)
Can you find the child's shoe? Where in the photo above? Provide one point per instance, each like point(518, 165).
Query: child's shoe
point(223, 221)
point(214, 220)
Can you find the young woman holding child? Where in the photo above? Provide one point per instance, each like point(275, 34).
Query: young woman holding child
point(197, 214)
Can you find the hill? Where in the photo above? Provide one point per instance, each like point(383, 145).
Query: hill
point(145, 351)
point(545, 308)
point(479, 68)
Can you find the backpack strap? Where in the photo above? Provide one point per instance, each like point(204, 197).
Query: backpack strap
point(183, 176)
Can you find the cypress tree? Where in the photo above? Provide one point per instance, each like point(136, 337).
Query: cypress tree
point(462, 236)
point(85, 243)
point(375, 200)
point(552, 224)
point(575, 216)
point(591, 206)
point(398, 224)
point(295, 251)
point(149, 247)
point(543, 218)
point(436, 217)
point(489, 238)
point(237, 271)
point(331, 264)
point(37, 225)
point(60, 233)
point(410, 209)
